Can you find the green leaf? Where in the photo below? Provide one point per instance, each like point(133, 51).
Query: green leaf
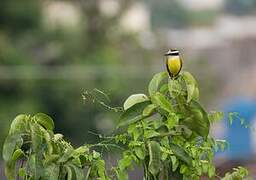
point(18, 124)
point(154, 157)
point(133, 114)
point(181, 154)
point(197, 119)
point(36, 137)
point(67, 154)
point(51, 158)
point(44, 120)
point(160, 100)
point(174, 88)
point(78, 172)
point(69, 172)
point(22, 172)
point(134, 131)
point(163, 89)
point(149, 110)
point(191, 84)
point(175, 163)
point(124, 163)
point(100, 164)
point(140, 152)
point(155, 82)
point(17, 154)
point(150, 134)
point(51, 172)
point(183, 169)
point(48, 139)
point(12, 142)
point(134, 99)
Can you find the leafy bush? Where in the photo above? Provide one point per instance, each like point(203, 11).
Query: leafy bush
point(45, 155)
point(166, 133)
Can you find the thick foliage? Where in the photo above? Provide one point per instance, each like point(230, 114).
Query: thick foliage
point(166, 133)
point(41, 154)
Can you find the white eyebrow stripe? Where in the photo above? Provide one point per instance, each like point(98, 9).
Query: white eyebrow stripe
point(174, 52)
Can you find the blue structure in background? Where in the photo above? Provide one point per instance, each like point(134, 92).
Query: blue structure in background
point(239, 137)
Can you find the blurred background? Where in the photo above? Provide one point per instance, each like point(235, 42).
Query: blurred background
point(51, 51)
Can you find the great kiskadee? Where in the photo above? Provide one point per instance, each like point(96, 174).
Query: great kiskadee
point(173, 63)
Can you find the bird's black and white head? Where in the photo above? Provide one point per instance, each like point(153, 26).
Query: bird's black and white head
point(172, 52)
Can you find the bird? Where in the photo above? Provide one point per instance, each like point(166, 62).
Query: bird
point(173, 63)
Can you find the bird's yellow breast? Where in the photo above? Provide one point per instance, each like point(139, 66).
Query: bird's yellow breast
point(174, 64)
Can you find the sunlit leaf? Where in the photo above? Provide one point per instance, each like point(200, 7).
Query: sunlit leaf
point(161, 101)
point(181, 154)
point(134, 99)
point(133, 114)
point(17, 154)
point(197, 119)
point(51, 172)
point(191, 85)
point(155, 82)
point(125, 162)
point(149, 110)
point(44, 120)
point(18, 124)
point(174, 88)
point(78, 172)
point(154, 157)
point(140, 152)
point(69, 172)
point(12, 142)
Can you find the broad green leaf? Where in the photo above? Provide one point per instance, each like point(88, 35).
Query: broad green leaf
point(48, 139)
point(172, 120)
point(35, 165)
point(124, 163)
point(149, 110)
point(135, 131)
point(161, 101)
point(36, 137)
point(22, 172)
point(133, 114)
point(164, 89)
point(51, 172)
point(140, 152)
point(67, 154)
point(17, 154)
point(154, 157)
point(52, 158)
point(197, 119)
point(181, 154)
point(78, 172)
point(175, 163)
point(100, 164)
point(134, 99)
point(44, 120)
point(156, 81)
point(150, 134)
point(18, 124)
point(174, 88)
point(12, 142)
point(80, 151)
point(183, 169)
point(69, 172)
point(191, 85)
